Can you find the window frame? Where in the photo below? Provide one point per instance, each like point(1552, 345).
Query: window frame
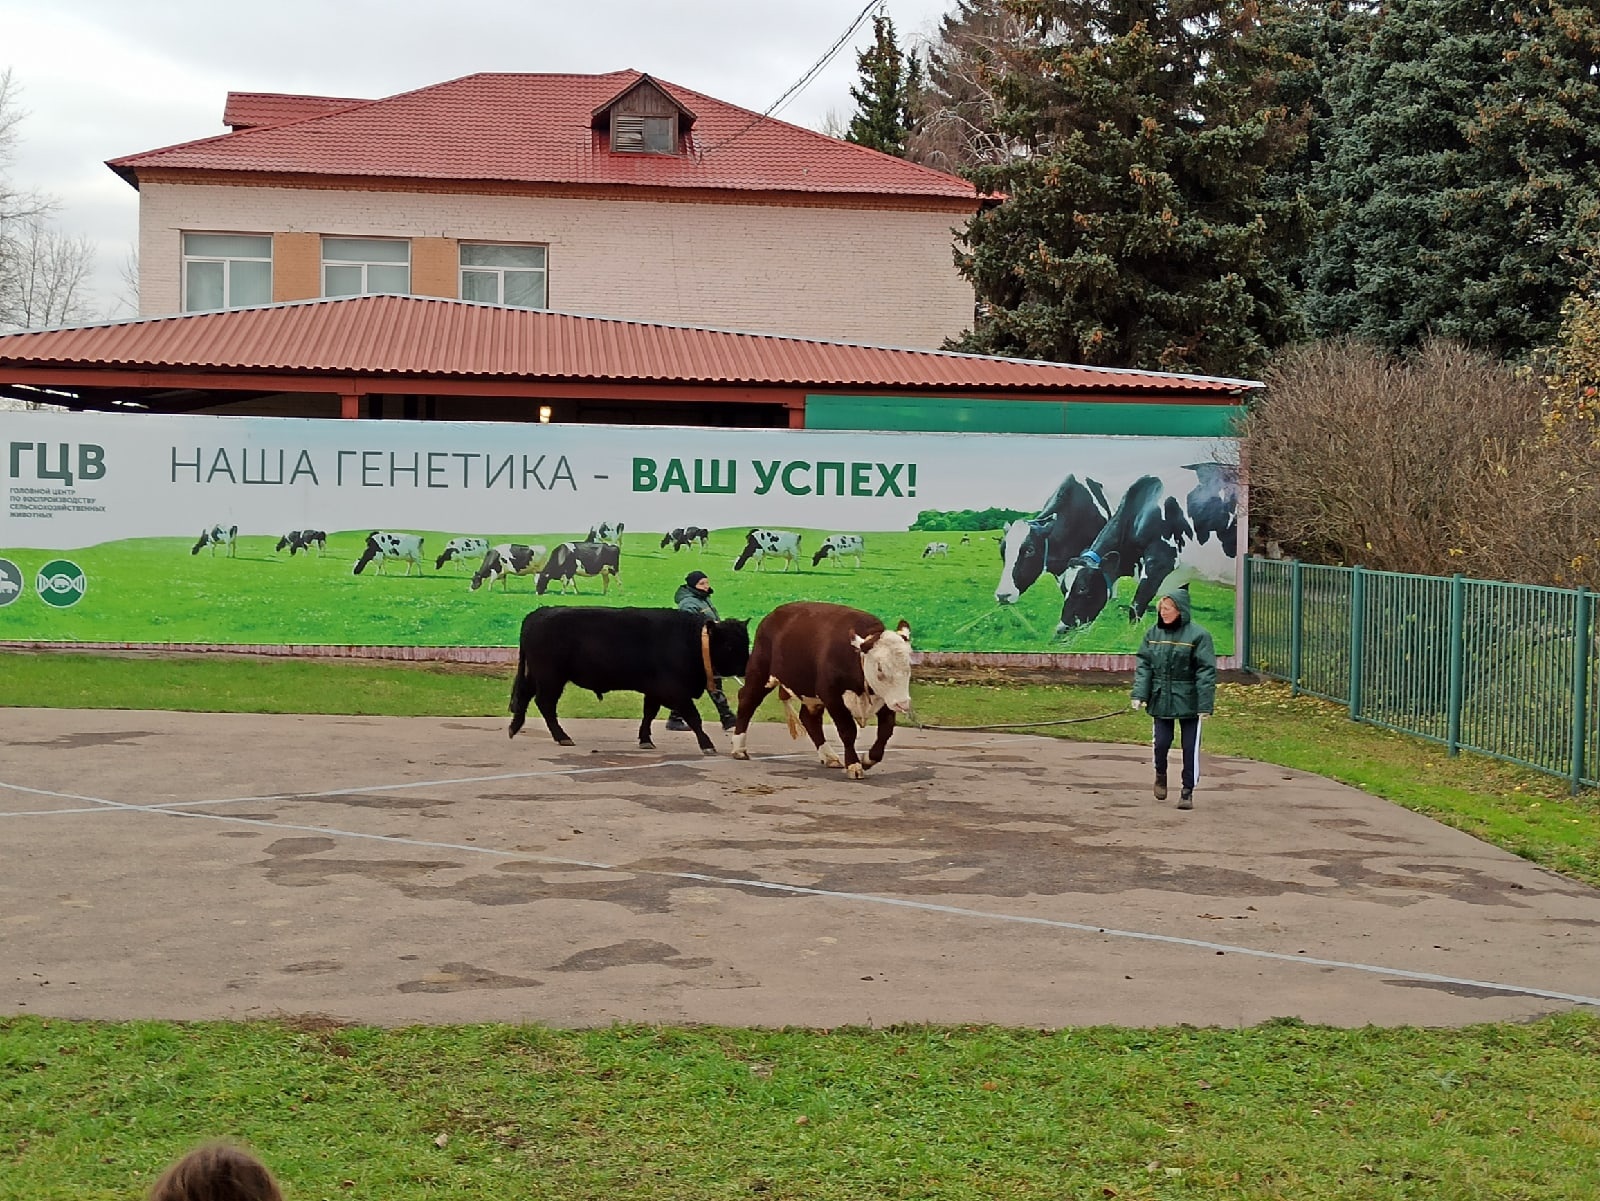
point(364, 264)
point(227, 261)
point(629, 133)
point(500, 272)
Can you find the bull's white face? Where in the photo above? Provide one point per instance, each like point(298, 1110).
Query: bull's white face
point(886, 667)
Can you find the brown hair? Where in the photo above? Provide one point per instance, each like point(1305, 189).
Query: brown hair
point(217, 1172)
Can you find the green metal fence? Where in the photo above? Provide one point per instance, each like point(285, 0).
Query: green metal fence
point(1509, 670)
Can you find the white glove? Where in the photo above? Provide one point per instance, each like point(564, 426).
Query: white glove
point(1136, 704)
point(1203, 716)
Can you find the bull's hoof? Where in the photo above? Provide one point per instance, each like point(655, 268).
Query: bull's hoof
point(708, 750)
point(855, 771)
point(565, 742)
point(646, 745)
point(741, 754)
point(870, 762)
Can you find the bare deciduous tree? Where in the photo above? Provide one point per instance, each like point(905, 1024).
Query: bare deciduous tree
point(43, 272)
point(955, 115)
point(1437, 463)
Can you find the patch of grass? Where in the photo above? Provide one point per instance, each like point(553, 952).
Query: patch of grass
point(92, 1111)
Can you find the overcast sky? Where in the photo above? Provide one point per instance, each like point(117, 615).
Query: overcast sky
point(103, 78)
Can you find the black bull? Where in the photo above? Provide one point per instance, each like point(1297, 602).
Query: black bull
point(657, 652)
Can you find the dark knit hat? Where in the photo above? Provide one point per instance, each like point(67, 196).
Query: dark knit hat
point(694, 577)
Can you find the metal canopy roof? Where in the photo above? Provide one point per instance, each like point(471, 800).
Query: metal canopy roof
point(412, 337)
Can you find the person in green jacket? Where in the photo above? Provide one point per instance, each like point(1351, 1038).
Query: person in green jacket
point(1176, 682)
point(694, 596)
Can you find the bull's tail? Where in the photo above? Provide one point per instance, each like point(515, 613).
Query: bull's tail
point(787, 698)
point(521, 694)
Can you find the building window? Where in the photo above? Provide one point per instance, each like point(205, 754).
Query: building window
point(226, 271)
point(644, 135)
point(501, 274)
point(362, 266)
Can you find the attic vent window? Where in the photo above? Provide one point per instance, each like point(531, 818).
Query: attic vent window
point(644, 135)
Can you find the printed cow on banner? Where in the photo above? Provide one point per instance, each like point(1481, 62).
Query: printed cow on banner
point(573, 559)
point(836, 548)
point(1214, 505)
point(685, 536)
point(303, 540)
point(1046, 543)
point(761, 545)
point(218, 535)
point(384, 545)
point(1142, 540)
point(506, 560)
point(461, 550)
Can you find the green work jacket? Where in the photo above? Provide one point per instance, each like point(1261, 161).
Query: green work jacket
point(1177, 672)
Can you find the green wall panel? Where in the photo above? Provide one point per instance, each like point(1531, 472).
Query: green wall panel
point(937, 414)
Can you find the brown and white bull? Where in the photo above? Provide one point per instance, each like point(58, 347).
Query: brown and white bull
point(834, 659)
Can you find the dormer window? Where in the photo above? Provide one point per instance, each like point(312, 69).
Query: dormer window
point(643, 119)
point(645, 135)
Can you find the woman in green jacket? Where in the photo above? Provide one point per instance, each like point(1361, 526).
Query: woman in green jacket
point(1176, 681)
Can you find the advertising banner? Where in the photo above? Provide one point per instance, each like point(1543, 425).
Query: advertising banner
point(136, 528)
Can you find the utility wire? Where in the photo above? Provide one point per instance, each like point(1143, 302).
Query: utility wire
point(795, 88)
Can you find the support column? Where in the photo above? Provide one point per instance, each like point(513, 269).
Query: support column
point(350, 405)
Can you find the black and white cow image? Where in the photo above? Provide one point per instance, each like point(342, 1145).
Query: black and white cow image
point(836, 660)
point(836, 548)
point(303, 540)
point(936, 550)
point(1045, 543)
point(383, 545)
point(460, 550)
point(685, 536)
point(506, 560)
point(668, 655)
point(1214, 505)
point(606, 531)
point(1142, 540)
point(572, 559)
point(218, 535)
point(777, 544)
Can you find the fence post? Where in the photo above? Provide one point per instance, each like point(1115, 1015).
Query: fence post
point(1294, 628)
point(1580, 685)
point(1242, 635)
point(1457, 636)
point(1358, 597)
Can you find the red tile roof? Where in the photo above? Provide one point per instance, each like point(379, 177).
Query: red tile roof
point(250, 110)
point(536, 129)
point(421, 336)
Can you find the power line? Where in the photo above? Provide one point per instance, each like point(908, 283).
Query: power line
point(795, 88)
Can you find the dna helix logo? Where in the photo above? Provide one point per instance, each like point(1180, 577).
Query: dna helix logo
point(61, 583)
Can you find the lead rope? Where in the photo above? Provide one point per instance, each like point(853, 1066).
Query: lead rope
point(1024, 725)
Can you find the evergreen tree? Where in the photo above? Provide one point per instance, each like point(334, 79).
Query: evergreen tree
point(889, 86)
point(1462, 175)
point(1134, 228)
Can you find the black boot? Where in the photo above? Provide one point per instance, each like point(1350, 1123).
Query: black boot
point(724, 711)
point(1161, 786)
point(1186, 799)
point(676, 723)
